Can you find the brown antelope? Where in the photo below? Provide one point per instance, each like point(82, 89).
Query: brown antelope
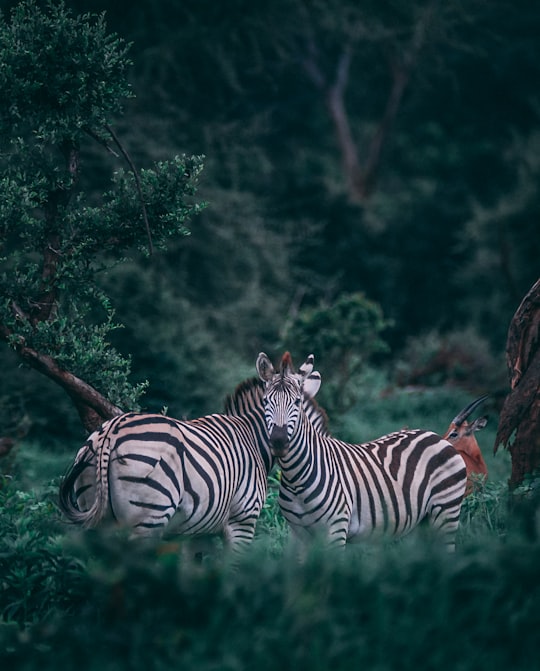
point(461, 434)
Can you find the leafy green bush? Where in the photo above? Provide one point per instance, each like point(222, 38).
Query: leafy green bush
point(460, 357)
point(396, 606)
point(37, 579)
point(97, 600)
point(343, 335)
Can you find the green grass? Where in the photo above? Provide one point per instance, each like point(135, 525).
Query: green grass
point(96, 601)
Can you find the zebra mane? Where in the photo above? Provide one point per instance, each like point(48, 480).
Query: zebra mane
point(248, 395)
point(286, 364)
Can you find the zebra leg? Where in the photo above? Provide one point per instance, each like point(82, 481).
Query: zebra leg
point(444, 520)
point(237, 535)
point(305, 537)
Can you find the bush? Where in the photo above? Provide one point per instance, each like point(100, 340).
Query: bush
point(38, 580)
point(96, 600)
point(398, 606)
point(344, 336)
point(460, 357)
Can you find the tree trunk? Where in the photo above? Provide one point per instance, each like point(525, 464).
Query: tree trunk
point(519, 423)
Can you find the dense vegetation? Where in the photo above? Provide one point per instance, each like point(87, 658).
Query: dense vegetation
point(95, 600)
point(445, 240)
point(370, 179)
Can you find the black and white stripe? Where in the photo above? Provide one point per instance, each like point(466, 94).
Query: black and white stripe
point(248, 398)
point(340, 491)
point(203, 476)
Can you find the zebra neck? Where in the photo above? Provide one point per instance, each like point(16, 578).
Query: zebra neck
point(304, 455)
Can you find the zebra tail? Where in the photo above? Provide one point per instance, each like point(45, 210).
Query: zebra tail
point(95, 456)
point(67, 500)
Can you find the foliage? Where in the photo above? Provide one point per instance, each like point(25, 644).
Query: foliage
point(455, 357)
point(439, 247)
point(425, 247)
point(344, 334)
point(57, 102)
point(485, 512)
point(377, 607)
point(37, 579)
point(64, 79)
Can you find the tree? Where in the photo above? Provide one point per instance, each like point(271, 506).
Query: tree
point(275, 168)
point(401, 45)
point(63, 78)
point(519, 422)
point(345, 335)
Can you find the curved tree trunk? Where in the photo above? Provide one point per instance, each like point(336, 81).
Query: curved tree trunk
point(93, 407)
point(519, 423)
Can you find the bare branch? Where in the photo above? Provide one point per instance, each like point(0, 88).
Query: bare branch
point(335, 100)
point(401, 76)
point(361, 175)
point(102, 142)
point(138, 183)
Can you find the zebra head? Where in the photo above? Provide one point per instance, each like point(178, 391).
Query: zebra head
point(284, 396)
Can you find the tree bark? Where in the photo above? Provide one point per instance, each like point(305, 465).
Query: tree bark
point(519, 422)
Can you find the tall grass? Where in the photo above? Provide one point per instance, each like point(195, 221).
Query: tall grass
point(96, 601)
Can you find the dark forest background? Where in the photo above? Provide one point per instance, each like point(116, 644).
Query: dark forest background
point(387, 149)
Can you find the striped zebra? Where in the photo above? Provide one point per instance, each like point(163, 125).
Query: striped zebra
point(341, 492)
point(248, 397)
point(197, 477)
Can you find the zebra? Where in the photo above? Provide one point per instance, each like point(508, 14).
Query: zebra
point(344, 492)
point(205, 476)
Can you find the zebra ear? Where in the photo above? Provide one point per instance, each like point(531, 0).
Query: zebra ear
point(312, 384)
point(306, 368)
point(264, 367)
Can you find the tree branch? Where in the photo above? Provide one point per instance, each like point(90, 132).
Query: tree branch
point(401, 76)
point(44, 309)
point(92, 406)
point(361, 176)
point(138, 184)
point(335, 100)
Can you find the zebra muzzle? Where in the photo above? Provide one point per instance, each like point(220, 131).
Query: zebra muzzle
point(279, 441)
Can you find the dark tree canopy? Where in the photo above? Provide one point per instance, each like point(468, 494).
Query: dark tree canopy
point(380, 149)
point(63, 80)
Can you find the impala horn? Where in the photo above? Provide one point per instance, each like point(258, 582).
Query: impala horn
point(462, 416)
